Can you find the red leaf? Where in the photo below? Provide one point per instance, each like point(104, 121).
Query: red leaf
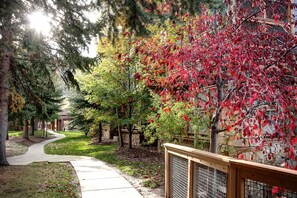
point(241, 156)
point(186, 118)
point(137, 76)
point(166, 110)
point(151, 120)
point(275, 190)
point(228, 128)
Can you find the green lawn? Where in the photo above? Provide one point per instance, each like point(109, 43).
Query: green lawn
point(36, 180)
point(15, 133)
point(37, 133)
point(76, 143)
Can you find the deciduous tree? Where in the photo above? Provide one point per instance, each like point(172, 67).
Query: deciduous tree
point(113, 86)
point(243, 73)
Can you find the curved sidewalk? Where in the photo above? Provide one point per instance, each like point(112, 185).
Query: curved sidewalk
point(95, 177)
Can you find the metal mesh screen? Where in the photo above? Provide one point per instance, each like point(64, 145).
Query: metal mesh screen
point(209, 182)
point(254, 189)
point(179, 177)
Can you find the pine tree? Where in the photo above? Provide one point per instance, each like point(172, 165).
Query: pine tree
point(71, 31)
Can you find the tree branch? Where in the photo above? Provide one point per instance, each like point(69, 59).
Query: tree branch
point(281, 57)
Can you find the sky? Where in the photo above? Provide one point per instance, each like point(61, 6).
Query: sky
point(41, 23)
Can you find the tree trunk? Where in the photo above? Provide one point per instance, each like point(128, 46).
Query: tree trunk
point(7, 135)
point(130, 127)
point(213, 141)
point(121, 142)
point(26, 130)
point(43, 128)
point(5, 56)
point(100, 133)
point(159, 145)
point(130, 135)
point(32, 123)
point(214, 129)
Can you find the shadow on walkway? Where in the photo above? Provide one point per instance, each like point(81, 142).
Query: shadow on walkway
point(96, 178)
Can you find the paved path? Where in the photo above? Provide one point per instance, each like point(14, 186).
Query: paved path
point(96, 178)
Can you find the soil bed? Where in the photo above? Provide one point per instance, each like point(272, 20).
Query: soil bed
point(146, 156)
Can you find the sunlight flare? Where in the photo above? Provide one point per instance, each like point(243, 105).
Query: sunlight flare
point(40, 22)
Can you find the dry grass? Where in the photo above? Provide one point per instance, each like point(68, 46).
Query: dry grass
point(14, 148)
point(44, 180)
point(16, 145)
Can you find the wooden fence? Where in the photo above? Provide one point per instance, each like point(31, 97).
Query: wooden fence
point(192, 173)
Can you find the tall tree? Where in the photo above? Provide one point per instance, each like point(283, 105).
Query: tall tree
point(59, 51)
point(113, 86)
point(79, 106)
point(6, 39)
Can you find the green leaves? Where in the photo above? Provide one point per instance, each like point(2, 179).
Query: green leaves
point(112, 91)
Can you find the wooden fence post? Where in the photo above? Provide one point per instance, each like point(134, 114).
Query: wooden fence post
point(240, 185)
point(167, 174)
point(232, 182)
point(190, 178)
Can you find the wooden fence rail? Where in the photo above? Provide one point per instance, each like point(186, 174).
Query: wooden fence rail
point(192, 173)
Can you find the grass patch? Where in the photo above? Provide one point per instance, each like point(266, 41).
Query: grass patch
point(151, 183)
point(37, 133)
point(16, 145)
point(39, 180)
point(15, 133)
point(14, 148)
point(76, 143)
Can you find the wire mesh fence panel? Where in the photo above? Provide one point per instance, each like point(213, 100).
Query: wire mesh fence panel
point(254, 189)
point(179, 177)
point(209, 182)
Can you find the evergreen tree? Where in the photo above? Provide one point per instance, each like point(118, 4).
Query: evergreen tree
point(60, 51)
point(78, 109)
point(114, 88)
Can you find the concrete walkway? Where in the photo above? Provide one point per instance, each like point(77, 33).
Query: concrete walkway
point(95, 177)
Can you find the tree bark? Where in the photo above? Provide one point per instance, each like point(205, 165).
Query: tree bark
point(32, 123)
point(216, 118)
point(43, 128)
point(130, 127)
point(7, 135)
point(5, 56)
point(100, 133)
point(121, 142)
point(159, 145)
point(26, 130)
point(130, 135)
point(213, 141)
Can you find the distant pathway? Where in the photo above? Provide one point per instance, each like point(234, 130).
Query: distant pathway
point(95, 177)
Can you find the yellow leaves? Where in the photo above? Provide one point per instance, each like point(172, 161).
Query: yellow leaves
point(17, 101)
